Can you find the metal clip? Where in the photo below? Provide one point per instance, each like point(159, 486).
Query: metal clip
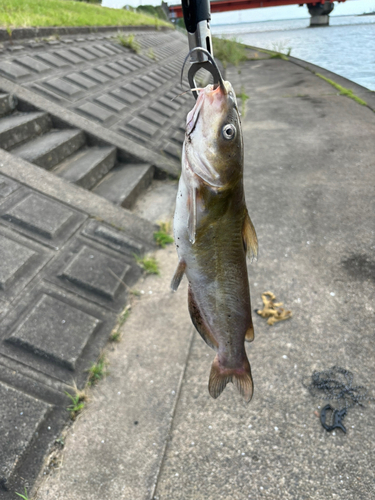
point(338, 416)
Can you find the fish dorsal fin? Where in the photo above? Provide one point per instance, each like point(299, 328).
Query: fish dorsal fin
point(177, 277)
point(250, 239)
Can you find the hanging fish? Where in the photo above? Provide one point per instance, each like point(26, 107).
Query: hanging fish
point(213, 233)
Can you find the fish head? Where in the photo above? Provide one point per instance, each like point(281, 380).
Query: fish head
point(213, 141)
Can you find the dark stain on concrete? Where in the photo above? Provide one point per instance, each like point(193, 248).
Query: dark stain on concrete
point(359, 267)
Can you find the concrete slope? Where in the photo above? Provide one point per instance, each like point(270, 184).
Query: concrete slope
point(309, 186)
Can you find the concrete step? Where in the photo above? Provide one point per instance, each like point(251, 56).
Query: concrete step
point(52, 148)
point(124, 183)
point(21, 127)
point(7, 104)
point(86, 168)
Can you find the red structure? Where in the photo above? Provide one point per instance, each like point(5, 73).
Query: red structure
point(226, 5)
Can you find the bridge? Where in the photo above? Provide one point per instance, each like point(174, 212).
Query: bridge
point(319, 11)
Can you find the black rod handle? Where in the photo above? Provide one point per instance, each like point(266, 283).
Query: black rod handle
point(194, 12)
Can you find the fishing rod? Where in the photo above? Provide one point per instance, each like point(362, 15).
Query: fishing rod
point(197, 17)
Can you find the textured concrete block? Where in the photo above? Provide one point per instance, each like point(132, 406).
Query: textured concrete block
point(64, 88)
point(40, 217)
point(97, 112)
point(13, 258)
point(135, 89)
point(124, 96)
point(111, 103)
point(21, 259)
point(69, 56)
point(154, 117)
point(127, 64)
point(106, 50)
point(20, 417)
point(96, 272)
point(38, 214)
point(142, 127)
point(106, 70)
point(62, 334)
point(161, 108)
point(7, 186)
point(81, 81)
point(95, 51)
point(67, 342)
point(33, 64)
point(96, 75)
point(83, 53)
point(118, 68)
point(52, 59)
point(13, 71)
point(111, 237)
point(173, 151)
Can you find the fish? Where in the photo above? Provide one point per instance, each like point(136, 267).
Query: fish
point(214, 234)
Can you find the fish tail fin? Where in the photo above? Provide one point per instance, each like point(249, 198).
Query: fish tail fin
point(241, 377)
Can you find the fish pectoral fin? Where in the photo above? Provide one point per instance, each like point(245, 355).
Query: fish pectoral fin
point(178, 274)
point(250, 239)
point(199, 322)
point(192, 222)
point(249, 337)
point(241, 377)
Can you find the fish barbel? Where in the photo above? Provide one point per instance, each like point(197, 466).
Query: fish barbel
point(213, 232)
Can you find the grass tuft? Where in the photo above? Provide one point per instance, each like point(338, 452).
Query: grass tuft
point(148, 264)
point(78, 402)
point(25, 496)
point(98, 370)
point(129, 42)
point(343, 90)
point(22, 14)
point(163, 237)
point(229, 51)
point(116, 334)
point(244, 97)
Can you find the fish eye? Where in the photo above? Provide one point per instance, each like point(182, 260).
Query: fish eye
point(229, 132)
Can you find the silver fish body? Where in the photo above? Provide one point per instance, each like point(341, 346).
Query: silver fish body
point(213, 232)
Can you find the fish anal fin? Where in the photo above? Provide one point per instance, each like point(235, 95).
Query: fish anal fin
point(177, 277)
point(250, 239)
point(241, 377)
point(199, 322)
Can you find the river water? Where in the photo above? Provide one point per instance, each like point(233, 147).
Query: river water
point(346, 47)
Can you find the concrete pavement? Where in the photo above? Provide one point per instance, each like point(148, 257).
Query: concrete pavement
point(151, 429)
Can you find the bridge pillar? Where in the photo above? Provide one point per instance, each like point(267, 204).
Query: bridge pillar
point(320, 13)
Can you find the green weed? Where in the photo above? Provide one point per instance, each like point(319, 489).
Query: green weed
point(116, 334)
point(151, 54)
point(78, 402)
point(343, 90)
point(244, 97)
point(25, 496)
point(129, 42)
point(135, 292)
point(98, 370)
point(21, 14)
point(163, 237)
point(229, 51)
point(148, 264)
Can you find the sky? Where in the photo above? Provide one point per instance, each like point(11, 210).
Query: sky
point(350, 7)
